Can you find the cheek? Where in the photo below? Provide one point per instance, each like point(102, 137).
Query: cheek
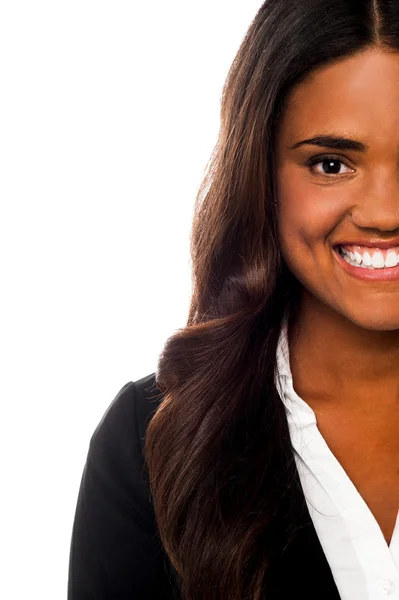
point(306, 225)
point(311, 216)
point(307, 213)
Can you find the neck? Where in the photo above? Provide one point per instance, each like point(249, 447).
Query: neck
point(334, 360)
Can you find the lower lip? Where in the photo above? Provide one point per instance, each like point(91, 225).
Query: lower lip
point(386, 274)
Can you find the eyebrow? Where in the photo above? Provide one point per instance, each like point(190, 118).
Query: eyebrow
point(338, 143)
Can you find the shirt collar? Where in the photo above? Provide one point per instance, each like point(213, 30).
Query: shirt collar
point(298, 411)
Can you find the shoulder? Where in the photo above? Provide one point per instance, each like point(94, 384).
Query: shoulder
point(115, 548)
point(130, 411)
point(118, 440)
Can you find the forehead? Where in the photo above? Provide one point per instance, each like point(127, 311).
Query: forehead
point(357, 94)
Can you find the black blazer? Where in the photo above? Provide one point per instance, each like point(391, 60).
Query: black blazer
point(115, 551)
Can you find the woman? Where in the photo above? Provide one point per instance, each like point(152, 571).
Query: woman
point(261, 460)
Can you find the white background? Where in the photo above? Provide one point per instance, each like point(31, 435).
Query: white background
point(109, 112)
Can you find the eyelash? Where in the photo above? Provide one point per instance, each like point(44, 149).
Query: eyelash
point(321, 158)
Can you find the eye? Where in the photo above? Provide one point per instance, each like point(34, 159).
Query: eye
point(330, 165)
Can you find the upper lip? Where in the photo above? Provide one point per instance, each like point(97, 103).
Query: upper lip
point(370, 243)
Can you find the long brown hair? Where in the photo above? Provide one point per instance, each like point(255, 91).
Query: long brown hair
point(218, 449)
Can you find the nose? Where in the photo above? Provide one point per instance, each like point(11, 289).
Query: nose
point(378, 210)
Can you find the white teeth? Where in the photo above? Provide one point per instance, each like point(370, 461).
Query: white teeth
point(366, 261)
point(391, 259)
point(358, 257)
point(378, 260)
point(347, 258)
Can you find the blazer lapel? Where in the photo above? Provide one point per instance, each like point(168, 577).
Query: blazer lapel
point(301, 569)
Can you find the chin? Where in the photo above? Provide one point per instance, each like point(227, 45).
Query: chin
point(375, 320)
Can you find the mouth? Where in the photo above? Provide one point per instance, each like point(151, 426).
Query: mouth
point(363, 272)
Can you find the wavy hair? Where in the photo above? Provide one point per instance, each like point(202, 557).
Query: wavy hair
point(218, 451)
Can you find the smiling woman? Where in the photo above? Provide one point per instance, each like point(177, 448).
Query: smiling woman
point(338, 234)
point(261, 460)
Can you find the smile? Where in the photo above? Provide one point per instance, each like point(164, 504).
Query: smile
point(369, 273)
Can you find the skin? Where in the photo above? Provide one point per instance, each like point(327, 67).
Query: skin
point(349, 327)
point(345, 360)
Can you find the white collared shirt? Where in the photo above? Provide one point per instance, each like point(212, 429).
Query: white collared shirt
point(364, 567)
